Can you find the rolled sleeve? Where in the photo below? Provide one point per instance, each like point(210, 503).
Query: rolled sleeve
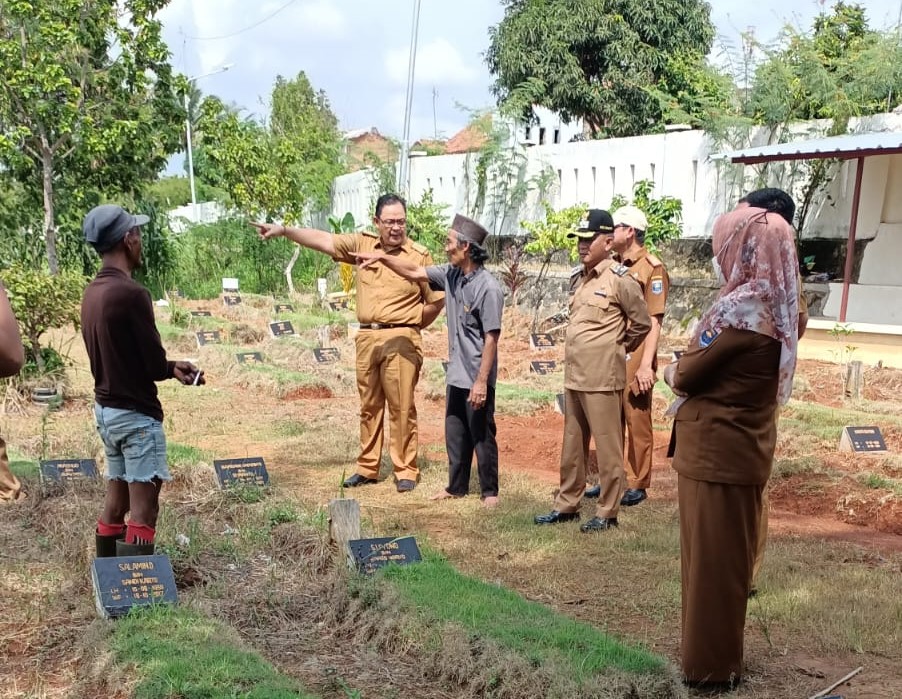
point(438, 276)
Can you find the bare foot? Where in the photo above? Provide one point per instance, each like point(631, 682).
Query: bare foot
point(443, 495)
point(490, 501)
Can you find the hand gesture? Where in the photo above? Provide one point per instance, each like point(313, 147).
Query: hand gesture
point(188, 374)
point(478, 394)
point(268, 231)
point(368, 259)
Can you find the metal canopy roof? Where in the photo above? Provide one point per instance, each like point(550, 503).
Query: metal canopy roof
point(844, 147)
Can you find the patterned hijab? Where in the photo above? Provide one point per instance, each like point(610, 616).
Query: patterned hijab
point(757, 254)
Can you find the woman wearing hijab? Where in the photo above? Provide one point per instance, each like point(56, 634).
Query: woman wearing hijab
point(737, 370)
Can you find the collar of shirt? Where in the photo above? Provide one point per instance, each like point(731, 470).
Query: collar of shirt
point(405, 246)
point(599, 268)
point(630, 259)
point(467, 278)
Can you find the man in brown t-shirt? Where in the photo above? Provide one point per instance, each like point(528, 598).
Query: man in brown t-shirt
point(630, 225)
point(127, 358)
point(391, 311)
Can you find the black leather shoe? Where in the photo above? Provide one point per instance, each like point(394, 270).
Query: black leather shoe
point(554, 517)
point(599, 524)
point(405, 485)
point(633, 497)
point(356, 480)
point(708, 688)
point(593, 492)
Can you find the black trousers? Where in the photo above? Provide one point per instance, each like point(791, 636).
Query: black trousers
point(468, 430)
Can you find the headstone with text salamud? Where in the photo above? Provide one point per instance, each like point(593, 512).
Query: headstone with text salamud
point(123, 582)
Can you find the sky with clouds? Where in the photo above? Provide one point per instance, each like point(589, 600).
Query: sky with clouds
point(357, 51)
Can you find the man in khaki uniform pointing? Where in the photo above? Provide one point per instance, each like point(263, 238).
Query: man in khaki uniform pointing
point(608, 318)
point(391, 311)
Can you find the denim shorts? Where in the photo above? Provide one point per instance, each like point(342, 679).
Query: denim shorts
point(134, 444)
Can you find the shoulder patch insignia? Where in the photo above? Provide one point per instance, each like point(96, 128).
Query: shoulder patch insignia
point(422, 249)
point(707, 337)
point(653, 261)
point(657, 285)
point(619, 269)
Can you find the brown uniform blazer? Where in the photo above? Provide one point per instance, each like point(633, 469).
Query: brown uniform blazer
point(726, 430)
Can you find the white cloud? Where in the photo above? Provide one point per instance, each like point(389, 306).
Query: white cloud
point(438, 63)
point(320, 18)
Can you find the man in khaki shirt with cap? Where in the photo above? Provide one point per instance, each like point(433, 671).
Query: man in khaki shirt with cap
point(391, 311)
point(630, 225)
point(608, 318)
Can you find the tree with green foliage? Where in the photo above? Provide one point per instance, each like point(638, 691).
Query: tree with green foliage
point(42, 301)
point(839, 69)
point(88, 101)
point(607, 62)
point(549, 237)
point(664, 214)
point(281, 169)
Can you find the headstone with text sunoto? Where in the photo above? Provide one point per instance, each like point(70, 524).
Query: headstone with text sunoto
point(281, 308)
point(371, 554)
point(249, 471)
point(123, 582)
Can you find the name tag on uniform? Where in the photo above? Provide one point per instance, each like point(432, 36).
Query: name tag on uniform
point(601, 292)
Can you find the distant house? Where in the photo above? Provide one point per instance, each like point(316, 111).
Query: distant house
point(362, 146)
point(472, 137)
point(430, 146)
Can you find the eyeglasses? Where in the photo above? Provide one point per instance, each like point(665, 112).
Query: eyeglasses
point(392, 222)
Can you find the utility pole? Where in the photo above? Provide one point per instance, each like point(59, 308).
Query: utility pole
point(404, 163)
point(434, 117)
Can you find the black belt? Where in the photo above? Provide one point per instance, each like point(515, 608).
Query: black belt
point(383, 326)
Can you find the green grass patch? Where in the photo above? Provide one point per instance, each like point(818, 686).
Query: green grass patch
point(178, 653)
point(185, 455)
point(313, 317)
point(878, 482)
point(827, 423)
point(810, 465)
point(438, 591)
point(513, 399)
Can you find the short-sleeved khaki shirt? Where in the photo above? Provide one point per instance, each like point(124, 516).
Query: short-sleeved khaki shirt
point(652, 277)
point(608, 318)
point(382, 295)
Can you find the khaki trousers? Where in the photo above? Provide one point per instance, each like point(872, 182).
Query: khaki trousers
point(388, 368)
point(718, 534)
point(9, 484)
point(599, 415)
point(640, 439)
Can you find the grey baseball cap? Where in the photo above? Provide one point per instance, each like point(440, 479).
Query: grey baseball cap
point(106, 225)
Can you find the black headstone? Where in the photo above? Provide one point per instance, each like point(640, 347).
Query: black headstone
point(208, 337)
point(68, 470)
point(338, 304)
point(372, 554)
point(326, 355)
point(543, 367)
point(281, 328)
point(249, 471)
point(540, 341)
point(677, 354)
point(249, 358)
point(201, 314)
point(559, 403)
point(862, 440)
point(445, 366)
point(121, 583)
point(231, 299)
point(283, 308)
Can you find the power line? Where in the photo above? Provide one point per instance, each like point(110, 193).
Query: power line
point(246, 29)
